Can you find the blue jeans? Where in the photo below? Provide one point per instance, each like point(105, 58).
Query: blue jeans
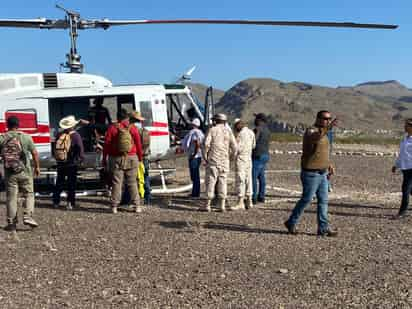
point(258, 174)
point(147, 189)
point(313, 183)
point(194, 167)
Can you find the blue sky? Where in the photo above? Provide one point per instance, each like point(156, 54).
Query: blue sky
point(224, 55)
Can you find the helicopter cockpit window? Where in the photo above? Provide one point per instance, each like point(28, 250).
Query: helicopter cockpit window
point(180, 114)
point(146, 112)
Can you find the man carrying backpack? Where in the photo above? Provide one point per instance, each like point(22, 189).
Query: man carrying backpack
point(69, 153)
point(124, 148)
point(15, 148)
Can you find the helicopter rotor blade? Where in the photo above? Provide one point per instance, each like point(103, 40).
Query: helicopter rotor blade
point(106, 23)
point(42, 23)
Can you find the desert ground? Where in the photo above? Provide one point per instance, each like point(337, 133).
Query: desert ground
point(173, 256)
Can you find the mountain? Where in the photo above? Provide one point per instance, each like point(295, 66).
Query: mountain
point(366, 107)
point(390, 89)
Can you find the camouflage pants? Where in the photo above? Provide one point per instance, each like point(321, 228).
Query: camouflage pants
point(124, 168)
point(243, 179)
point(216, 178)
point(15, 184)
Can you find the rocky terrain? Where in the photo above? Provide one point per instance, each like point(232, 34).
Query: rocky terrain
point(365, 108)
point(172, 256)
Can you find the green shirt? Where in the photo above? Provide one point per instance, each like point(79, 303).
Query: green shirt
point(26, 144)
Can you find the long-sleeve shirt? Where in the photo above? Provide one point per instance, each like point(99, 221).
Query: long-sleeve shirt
point(219, 143)
point(404, 160)
point(246, 142)
point(111, 141)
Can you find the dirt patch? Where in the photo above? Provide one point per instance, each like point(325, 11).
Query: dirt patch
point(172, 256)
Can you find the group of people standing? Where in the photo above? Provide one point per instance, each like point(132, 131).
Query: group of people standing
point(126, 147)
point(248, 149)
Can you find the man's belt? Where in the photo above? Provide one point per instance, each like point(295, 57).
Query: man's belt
point(318, 170)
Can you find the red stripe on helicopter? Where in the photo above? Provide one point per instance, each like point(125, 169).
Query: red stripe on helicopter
point(41, 139)
point(158, 133)
point(159, 124)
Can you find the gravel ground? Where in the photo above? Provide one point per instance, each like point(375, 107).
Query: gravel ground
point(172, 256)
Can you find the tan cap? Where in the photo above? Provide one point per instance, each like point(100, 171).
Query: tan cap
point(136, 116)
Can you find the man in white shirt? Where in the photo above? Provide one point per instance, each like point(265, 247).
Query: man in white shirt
point(192, 145)
point(404, 163)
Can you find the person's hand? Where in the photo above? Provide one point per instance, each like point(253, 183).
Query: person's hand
point(37, 171)
point(394, 169)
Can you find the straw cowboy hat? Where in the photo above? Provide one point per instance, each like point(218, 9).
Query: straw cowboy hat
point(68, 122)
point(136, 116)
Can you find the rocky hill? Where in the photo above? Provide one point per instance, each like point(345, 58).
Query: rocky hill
point(366, 107)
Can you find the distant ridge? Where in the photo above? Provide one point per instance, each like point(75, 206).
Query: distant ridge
point(367, 107)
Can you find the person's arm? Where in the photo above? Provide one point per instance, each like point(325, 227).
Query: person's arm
point(138, 142)
point(36, 161)
point(107, 144)
point(206, 146)
point(196, 150)
point(233, 144)
point(79, 144)
point(35, 155)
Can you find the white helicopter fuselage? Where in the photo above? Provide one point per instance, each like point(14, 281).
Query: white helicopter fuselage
point(41, 100)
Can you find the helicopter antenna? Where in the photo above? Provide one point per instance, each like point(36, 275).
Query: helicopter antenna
point(73, 58)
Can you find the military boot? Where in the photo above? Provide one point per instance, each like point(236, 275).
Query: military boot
point(221, 204)
point(240, 205)
point(207, 207)
point(249, 203)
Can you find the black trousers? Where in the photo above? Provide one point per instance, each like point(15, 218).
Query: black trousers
point(66, 174)
point(406, 189)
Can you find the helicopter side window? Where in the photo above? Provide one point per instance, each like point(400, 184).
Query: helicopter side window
point(27, 119)
point(146, 112)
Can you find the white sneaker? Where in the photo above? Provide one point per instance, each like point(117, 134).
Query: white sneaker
point(139, 209)
point(69, 206)
point(114, 210)
point(30, 222)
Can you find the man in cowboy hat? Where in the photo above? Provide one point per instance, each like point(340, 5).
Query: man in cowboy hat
point(18, 172)
point(69, 153)
point(192, 145)
point(243, 162)
point(219, 143)
point(136, 118)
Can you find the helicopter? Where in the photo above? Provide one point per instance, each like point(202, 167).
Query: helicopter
point(40, 100)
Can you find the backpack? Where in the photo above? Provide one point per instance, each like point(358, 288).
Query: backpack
point(62, 147)
point(13, 154)
point(124, 139)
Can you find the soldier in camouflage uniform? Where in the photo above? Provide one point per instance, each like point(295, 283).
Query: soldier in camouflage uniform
point(219, 143)
point(246, 143)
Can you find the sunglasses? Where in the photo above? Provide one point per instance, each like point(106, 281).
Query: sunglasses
point(326, 118)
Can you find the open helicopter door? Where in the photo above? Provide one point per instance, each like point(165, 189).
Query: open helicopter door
point(209, 108)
